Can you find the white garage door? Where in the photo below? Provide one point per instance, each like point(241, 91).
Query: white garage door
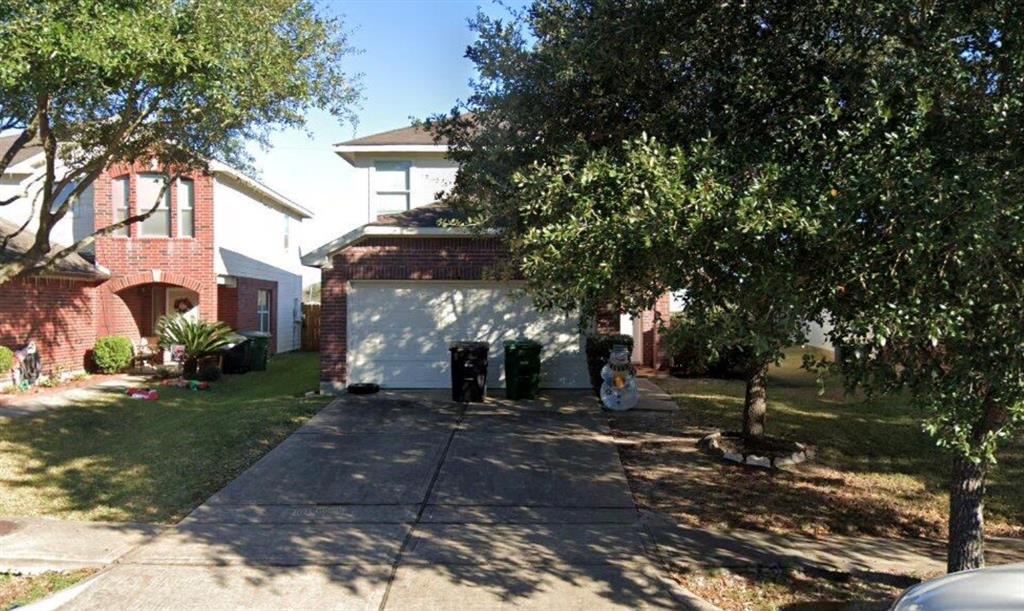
point(398, 332)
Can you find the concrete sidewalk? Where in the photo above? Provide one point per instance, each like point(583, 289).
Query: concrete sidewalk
point(36, 545)
point(410, 501)
point(99, 392)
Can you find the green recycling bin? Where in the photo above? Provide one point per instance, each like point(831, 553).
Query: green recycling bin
point(260, 350)
point(522, 369)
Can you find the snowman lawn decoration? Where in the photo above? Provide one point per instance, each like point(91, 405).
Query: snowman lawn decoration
point(618, 391)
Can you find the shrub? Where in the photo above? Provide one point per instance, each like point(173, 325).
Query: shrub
point(695, 354)
point(113, 353)
point(599, 346)
point(6, 359)
point(198, 338)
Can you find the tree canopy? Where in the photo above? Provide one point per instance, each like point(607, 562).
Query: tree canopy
point(861, 159)
point(97, 83)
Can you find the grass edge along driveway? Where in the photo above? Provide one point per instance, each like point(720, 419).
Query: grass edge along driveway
point(119, 459)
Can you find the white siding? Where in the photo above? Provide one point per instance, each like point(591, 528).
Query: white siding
point(249, 242)
point(76, 224)
point(429, 174)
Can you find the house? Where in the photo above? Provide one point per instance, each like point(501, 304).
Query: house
point(396, 290)
point(219, 247)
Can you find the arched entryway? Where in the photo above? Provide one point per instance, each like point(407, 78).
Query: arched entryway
point(133, 304)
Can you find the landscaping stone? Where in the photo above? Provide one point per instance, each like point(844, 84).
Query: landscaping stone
point(723, 445)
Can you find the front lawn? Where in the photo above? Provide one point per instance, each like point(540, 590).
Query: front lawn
point(132, 460)
point(876, 472)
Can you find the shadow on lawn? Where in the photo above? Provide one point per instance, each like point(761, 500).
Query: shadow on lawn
point(114, 458)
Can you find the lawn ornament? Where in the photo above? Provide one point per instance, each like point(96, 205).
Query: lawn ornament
point(28, 366)
point(618, 389)
point(146, 394)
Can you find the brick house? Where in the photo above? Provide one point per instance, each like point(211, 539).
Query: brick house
point(219, 247)
point(396, 290)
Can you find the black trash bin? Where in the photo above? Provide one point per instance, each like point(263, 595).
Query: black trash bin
point(259, 349)
point(235, 356)
point(522, 369)
point(469, 371)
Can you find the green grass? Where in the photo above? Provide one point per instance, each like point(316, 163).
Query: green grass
point(132, 460)
point(876, 470)
point(20, 590)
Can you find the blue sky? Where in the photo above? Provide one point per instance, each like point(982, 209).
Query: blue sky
point(413, 65)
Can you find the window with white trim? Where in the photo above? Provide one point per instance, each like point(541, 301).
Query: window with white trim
point(263, 309)
point(391, 186)
point(149, 187)
point(186, 208)
point(119, 197)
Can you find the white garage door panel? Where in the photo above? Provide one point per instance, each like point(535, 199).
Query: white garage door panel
point(398, 333)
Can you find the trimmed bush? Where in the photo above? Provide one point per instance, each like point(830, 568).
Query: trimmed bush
point(6, 359)
point(695, 354)
point(113, 354)
point(599, 347)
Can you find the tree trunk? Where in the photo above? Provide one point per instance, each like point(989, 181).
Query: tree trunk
point(755, 406)
point(966, 515)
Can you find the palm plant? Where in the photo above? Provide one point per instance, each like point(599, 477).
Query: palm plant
point(198, 338)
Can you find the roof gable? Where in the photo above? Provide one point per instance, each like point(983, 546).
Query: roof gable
point(72, 265)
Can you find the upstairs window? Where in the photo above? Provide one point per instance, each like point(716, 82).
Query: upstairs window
point(186, 208)
point(391, 186)
point(119, 193)
point(149, 187)
point(263, 309)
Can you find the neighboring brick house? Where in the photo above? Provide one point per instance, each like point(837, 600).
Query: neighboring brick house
point(398, 289)
point(218, 248)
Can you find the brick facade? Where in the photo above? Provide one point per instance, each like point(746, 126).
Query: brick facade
point(409, 259)
point(140, 265)
point(393, 259)
point(246, 318)
point(58, 314)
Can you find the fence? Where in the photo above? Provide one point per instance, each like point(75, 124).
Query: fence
point(311, 327)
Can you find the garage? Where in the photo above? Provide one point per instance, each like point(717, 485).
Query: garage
point(398, 332)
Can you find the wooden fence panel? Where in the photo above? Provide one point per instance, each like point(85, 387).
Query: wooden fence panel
point(311, 327)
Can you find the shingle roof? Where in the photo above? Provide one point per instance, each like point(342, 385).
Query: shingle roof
point(72, 265)
point(412, 134)
point(31, 149)
point(432, 215)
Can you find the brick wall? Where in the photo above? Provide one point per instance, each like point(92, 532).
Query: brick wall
point(246, 318)
point(394, 259)
point(135, 260)
point(58, 314)
point(432, 259)
point(652, 321)
point(227, 305)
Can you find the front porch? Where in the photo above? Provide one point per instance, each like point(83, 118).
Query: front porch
point(131, 306)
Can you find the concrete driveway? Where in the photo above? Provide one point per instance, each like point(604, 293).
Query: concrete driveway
point(408, 501)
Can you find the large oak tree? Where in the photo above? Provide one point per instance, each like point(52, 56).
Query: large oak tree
point(775, 161)
point(94, 82)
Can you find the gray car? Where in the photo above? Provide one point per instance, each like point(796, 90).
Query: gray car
point(995, 588)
